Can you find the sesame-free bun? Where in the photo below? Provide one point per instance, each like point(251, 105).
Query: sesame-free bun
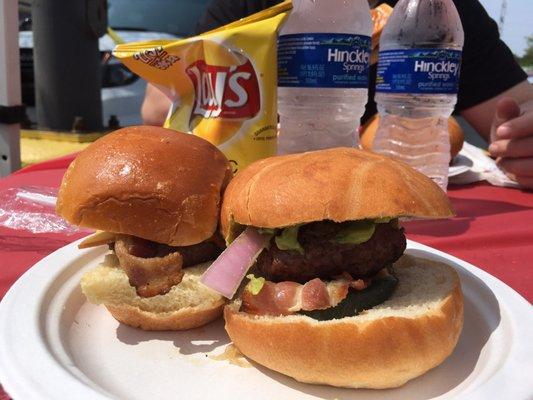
point(146, 181)
point(415, 330)
point(339, 184)
point(187, 305)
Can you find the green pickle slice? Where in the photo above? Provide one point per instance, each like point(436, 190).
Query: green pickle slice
point(358, 300)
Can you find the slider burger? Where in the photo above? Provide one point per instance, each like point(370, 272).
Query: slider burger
point(154, 195)
point(329, 298)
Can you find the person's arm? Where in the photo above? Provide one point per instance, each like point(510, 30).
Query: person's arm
point(494, 95)
point(483, 116)
point(511, 132)
point(155, 106)
point(489, 70)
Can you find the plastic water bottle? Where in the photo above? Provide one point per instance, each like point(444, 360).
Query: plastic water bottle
point(323, 58)
point(417, 83)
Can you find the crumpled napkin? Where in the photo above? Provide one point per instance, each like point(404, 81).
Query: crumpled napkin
point(484, 168)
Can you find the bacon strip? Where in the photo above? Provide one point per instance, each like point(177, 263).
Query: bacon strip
point(273, 299)
point(149, 274)
point(315, 295)
point(286, 298)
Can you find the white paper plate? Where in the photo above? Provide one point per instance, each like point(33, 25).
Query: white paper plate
point(55, 345)
point(460, 164)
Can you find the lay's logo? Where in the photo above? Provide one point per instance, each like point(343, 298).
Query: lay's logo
point(225, 91)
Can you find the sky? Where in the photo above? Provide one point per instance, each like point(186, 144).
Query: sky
point(518, 21)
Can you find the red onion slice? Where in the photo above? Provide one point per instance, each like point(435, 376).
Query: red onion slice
point(227, 272)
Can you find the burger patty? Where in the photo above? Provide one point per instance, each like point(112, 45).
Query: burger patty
point(326, 259)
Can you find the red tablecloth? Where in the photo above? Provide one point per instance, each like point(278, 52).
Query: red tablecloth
point(493, 230)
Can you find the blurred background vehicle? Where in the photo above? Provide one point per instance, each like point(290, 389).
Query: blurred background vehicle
point(132, 21)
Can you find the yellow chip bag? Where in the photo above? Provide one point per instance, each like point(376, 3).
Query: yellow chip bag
point(222, 83)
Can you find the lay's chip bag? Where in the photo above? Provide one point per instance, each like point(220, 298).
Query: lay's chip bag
point(222, 83)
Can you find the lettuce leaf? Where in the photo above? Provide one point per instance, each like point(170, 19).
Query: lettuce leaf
point(394, 222)
point(356, 232)
point(288, 239)
point(268, 231)
point(255, 285)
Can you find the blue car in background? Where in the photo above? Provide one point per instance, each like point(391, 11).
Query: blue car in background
point(132, 20)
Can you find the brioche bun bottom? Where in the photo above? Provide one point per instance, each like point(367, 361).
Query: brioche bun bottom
point(187, 305)
point(384, 347)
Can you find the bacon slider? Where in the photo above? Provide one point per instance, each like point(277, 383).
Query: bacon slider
point(154, 195)
point(330, 299)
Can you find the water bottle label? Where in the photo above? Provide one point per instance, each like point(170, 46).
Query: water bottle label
point(327, 60)
point(430, 71)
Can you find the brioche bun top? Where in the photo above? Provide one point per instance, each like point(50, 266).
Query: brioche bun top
point(339, 184)
point(146, 181)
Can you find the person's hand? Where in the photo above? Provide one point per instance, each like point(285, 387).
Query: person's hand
point(512, 140)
